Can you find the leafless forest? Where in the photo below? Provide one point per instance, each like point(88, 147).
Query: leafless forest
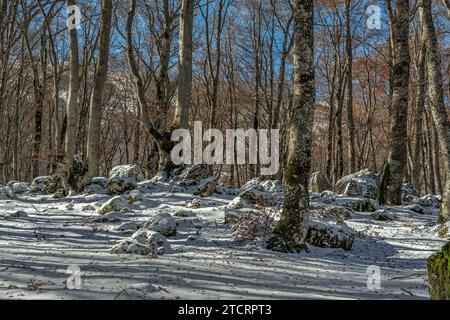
point(86, 86)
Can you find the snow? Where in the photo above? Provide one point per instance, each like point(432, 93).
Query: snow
point(41, 237)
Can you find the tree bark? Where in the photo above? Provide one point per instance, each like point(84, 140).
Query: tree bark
point(72, 103)
point(95, 106)
point(184, 94)
point(418, 131)
point(349, 79)
point(397, 160)
point(291, 230)
point(436, 98)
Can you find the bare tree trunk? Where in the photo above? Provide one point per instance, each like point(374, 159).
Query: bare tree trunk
point(184, 94)
point(349, 79)
point(160, 136)
point(72, 103)
point(399, 20)
point(436, 158)
point(429, 151)
point(291, 230)
point(95, 107)
point(436, 98)
point(418, 131)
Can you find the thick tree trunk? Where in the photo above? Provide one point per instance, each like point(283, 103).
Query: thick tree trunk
point(349, 79)
point(291, 230)
point(95, 107)
point(399, 20)
point(436, 98)
point(72, 102)
point(160, 136)
point(418, 131)
point(184, 94)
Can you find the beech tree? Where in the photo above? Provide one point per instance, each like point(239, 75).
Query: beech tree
point(95, 108)
point(393, 173)
point(436, 98)
point(72, 102)
point(291, 230)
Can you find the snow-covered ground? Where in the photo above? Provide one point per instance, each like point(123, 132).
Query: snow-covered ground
point(38, 244)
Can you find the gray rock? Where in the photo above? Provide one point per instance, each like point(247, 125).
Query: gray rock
point(429, 201)
point(359, 204)
point(363, 183)
point(134, 196)
point(116, 203)
point(329, 234)
point(143, 242)
point(334, 213)
point(131, 171)
point(18, 187)
point(163, 223)
point(47, 184)
point(118, 185)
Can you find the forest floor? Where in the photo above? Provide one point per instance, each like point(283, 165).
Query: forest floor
point(208, 262)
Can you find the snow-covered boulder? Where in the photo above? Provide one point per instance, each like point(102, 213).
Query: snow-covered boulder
point(342, 183)
point(143, 242)
point(363, 183)
point(116, 203)
point(318, 182)
point(429, 201)
point(97, 185)
point(131, 171)
point(439, 274)
point(254, 225)
point(358, 204)
point(272, 186)
point(134, 196)
point(129, 226)
point(330, 234)
point(206, 187)
point(418, 209)
point(118, 185)
point(263, 193)
point(47, 184)
point(326, 197)
point(18, 187)
point(163, 223)
point(334, 213)
point(238, 203)
point(257, 197)
point(255, 184)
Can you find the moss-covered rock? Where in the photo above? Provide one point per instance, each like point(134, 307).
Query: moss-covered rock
point(439, 274)
point(329, 234)
point(47, 184)
point(114, 204)
point(359, 204)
